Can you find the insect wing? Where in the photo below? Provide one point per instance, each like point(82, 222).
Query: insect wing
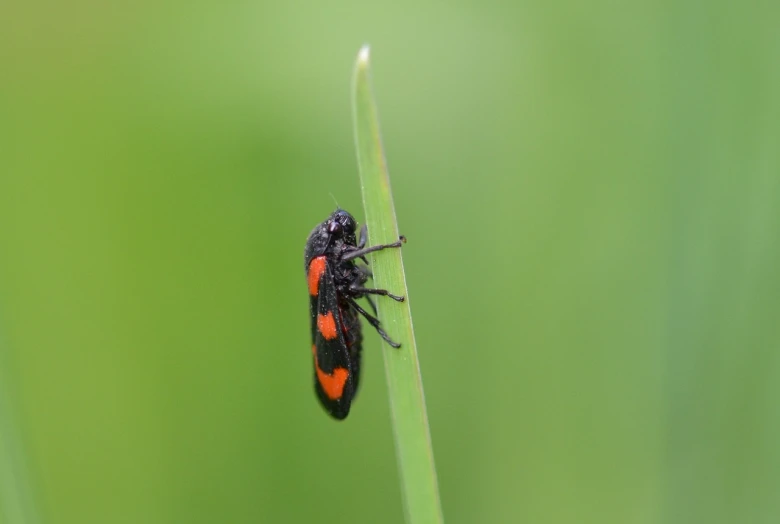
point(334, 373)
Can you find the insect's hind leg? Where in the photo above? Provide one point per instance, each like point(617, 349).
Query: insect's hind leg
point(373, 321)
point(371, 303)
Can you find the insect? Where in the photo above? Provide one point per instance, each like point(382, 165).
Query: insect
point(336, 282)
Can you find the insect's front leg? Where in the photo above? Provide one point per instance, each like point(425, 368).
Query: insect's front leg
point(361, 252)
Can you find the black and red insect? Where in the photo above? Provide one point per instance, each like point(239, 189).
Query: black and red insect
point(336, 282)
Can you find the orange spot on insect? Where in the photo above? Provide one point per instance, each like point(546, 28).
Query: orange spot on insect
point(316, 269)
point(332, 385)
point(326, 324)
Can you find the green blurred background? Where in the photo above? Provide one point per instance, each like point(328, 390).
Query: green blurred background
point(591, 196)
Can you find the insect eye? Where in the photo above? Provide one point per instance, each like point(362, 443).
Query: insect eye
point(334, 227)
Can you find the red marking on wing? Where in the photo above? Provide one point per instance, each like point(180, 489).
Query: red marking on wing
point(316, 269)
point(326, 324)
point(332, 385)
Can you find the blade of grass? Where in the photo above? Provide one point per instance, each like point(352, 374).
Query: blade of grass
point(407, 401)
point(16, 496)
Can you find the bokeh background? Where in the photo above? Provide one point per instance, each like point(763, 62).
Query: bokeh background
point(591, 196)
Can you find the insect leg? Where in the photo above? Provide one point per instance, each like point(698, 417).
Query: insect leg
point(371, 291)
point(364, 251)
point(373, 306)
point(373, 321)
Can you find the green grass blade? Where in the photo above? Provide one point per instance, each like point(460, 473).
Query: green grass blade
point(16, 496)
point(407, 401)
